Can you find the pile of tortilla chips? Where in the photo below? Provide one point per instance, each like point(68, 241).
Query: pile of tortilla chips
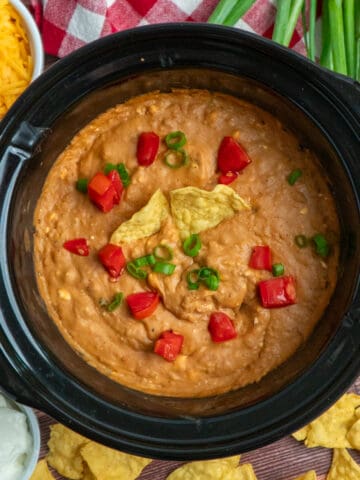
point(77, 458)
point(337, 428)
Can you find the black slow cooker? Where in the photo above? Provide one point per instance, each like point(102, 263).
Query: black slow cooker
point(39, 368)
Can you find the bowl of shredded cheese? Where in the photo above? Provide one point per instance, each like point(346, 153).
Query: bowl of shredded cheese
point(22, 54)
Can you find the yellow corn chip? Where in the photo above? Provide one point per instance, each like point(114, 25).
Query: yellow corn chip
point(206, 470)
point(311, 475)
point(42, 472)
point(195, 210)
point(343, 467)
point(354, 435)
point(64, 451)
point(244, 472)
point(301, 434)
point(145, 222)
point(108, 464)
point(331, 428)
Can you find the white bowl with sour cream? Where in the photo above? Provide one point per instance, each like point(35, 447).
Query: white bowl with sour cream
point(19, 440)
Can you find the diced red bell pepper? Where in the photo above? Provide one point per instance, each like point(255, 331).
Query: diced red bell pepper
point(113, 259)
point(277, 292)
point(102, 192)
point(78, 246)
point(169, 345)
point(227, 178)
point(115, 179)
point(142, 304)
point(261, 258)
point(221, 327)
point(147, 148)
point(231, 156)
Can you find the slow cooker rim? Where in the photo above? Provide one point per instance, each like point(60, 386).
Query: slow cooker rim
point(350, 371)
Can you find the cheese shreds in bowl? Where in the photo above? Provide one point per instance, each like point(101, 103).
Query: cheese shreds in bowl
point(15, 58)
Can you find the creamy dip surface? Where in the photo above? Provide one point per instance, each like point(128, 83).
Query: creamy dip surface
point(15, 441)
point(121, 346)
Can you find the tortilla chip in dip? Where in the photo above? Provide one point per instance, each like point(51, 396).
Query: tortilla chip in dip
point(144, 222)
point(194, 209)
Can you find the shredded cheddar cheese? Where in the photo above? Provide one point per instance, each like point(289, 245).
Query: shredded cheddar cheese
point(15, 59)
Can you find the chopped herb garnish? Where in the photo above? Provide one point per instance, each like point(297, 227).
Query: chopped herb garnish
point(135, 271)
point(163, 252)
point(164, 268)
point(294, 176)
point(122, 171)
point(278, 269)
point(82, 185)
point(321, 245)
point(116, 302)
point(175, 140)
point(176, 158)
point(192, 245)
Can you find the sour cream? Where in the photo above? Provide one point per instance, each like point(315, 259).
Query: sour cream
point(15, 441)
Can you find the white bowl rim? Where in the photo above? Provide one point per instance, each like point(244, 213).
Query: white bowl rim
point(36, 45)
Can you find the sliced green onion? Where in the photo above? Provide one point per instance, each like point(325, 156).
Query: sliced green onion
point(238, 10)
point(176, 158)
point(109, 167)
point(192, 279)
point(349, 27)
point(296, 6)
point(145, 260)
point(116, 302)
point(212, 282)
point(321, 245)
point(278, 269)
point(206, 272)
point(301, 241)
point(164, 267)
point(124, 174)
point(192, 245)
point(163, 252)
point(294, 176)
point(82, 185)
point(326, 56)
point(175, 140)
point(281, 20)
point(135, 271)
point(312, 23)
point(336, 23)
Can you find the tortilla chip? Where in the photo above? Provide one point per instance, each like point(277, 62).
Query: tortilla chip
point(343, 467)
point(64, 451)
point(206, 470)
point(144, 222)
point(353, 435)
point(244, 472)
point(195, 210)
point(310, 475)
point(331, 428)
point(301, 434)
point(108, 464)
point(42, 472)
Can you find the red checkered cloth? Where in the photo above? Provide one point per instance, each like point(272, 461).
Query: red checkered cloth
point(69, 24)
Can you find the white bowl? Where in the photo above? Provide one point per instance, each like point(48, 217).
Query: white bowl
point(36, 46)
point(34, 430)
